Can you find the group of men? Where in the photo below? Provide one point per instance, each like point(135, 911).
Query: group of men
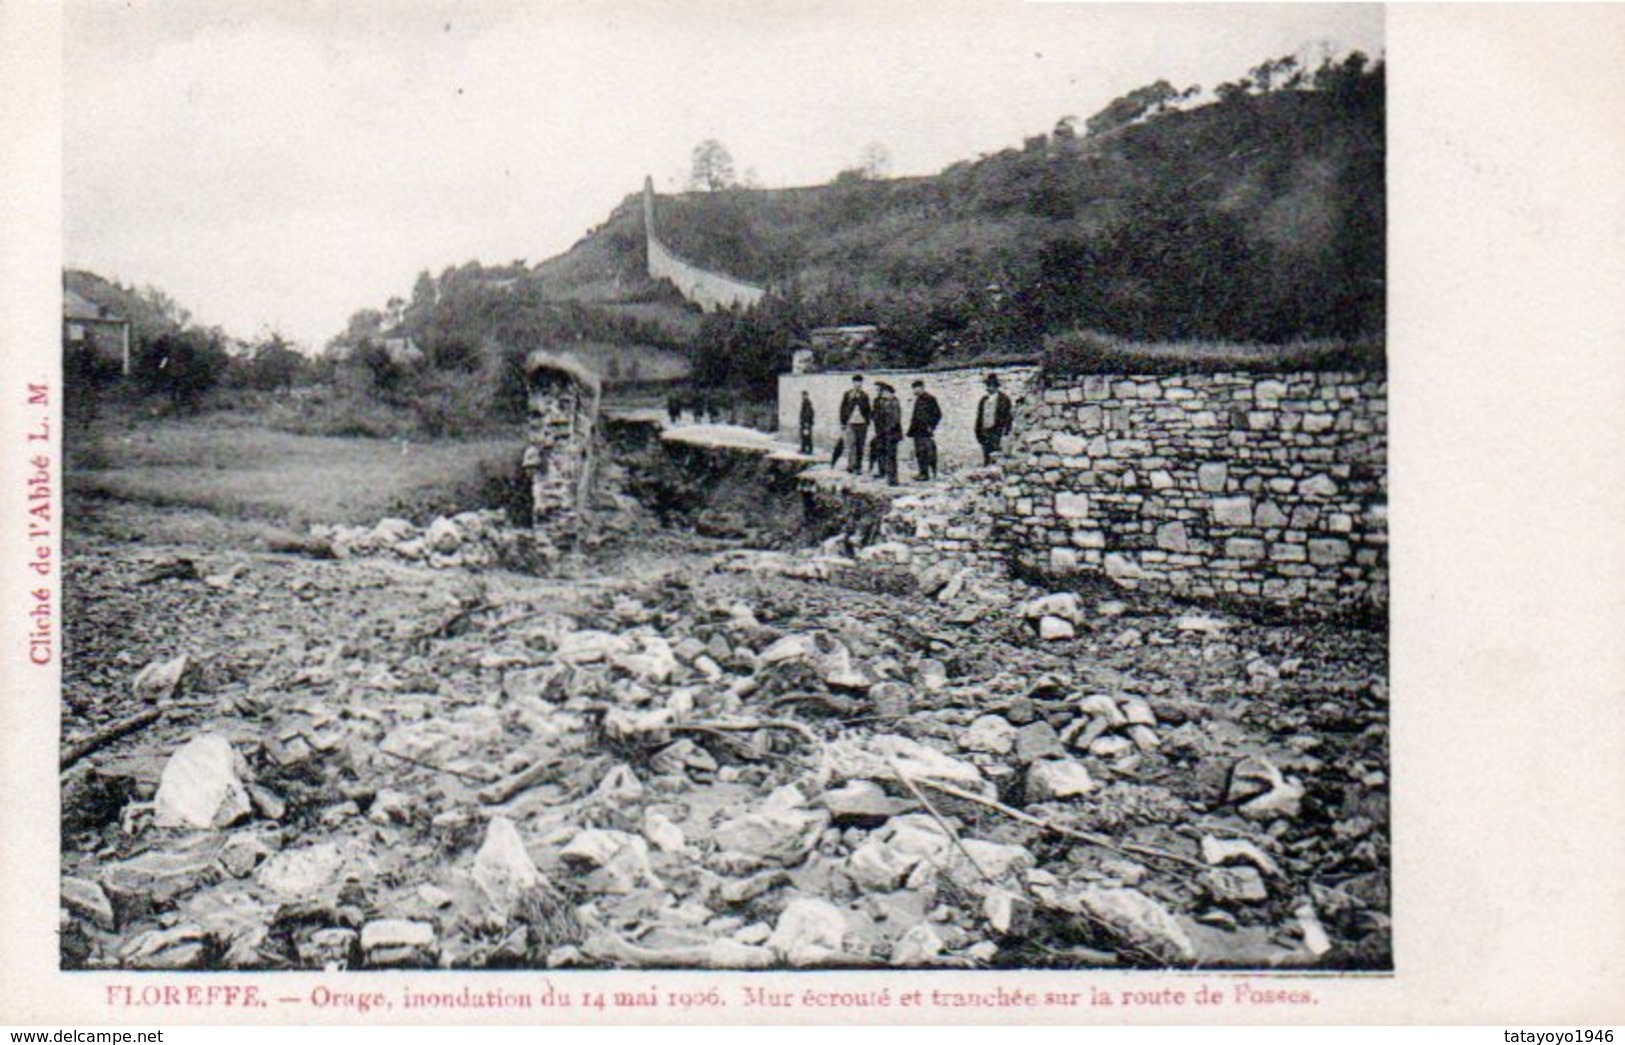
point(885, 414)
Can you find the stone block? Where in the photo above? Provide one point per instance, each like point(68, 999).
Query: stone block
point(1089, 416)
point(1172, 537)
point(1270, 516)
point(1286, 553)
point(1063, 560)
point(1068, 445)
point(1268, 393)
point(1244, 548)
point(1233, 511)
point(1318, 486)
point(1211, 477)
point(1329, 551)
point(1070, 505)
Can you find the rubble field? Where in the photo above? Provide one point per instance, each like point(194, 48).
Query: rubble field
point(405, 747)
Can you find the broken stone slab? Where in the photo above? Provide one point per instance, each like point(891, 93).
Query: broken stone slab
point(1144, 738)
point(158, 876)
point(738, 891)
point(782, 832)
point(1064, 606)
point(865, 759)
point(652, 659)
point(301, 873)
point(1007, 913)
point(989, 734)
point(1224, 851)
point(503, 869)
point(591, 646)
point(920, 945)
point(1037, 740)
point(390, 806)
point(1111, 747)
point(860, 803)
point(1235, 885)
point(398, 941)
point(243, 852)
point(618, 861)
point(809, 932)
point(1058, 780)
point(1315, 940)
point(334, 948)
point(181, 947)
point(1131, 920)
point(1053, 629)
point(1263, 793)
point(202, 786)
point(87, 900)
point(1102, 706)
point(662, 833)
point(891, 699)
point(159, 680)
point(801, 646)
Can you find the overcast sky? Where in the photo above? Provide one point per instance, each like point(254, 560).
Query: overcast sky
point(282, 164)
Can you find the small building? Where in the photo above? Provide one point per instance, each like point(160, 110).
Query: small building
point(86, 323)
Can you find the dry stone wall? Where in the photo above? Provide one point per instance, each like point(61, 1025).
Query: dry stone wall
point(1258, 486)
point(700, 286)
point(957, 391)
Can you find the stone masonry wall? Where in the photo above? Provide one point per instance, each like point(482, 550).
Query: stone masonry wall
point(957, 391)
point(1259, 486)
point(709, 290)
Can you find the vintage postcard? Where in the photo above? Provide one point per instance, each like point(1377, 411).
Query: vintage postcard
point(829, 512)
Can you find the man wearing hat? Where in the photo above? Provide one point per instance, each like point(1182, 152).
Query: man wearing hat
point(888, 420)
point(855, 421)
point(993, 419)
point(922, 428)
point(808, 418)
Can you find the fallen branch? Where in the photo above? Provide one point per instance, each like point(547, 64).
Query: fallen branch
point(461, 774)
point(535, 773)
point(100, 739)
point(1121, 848)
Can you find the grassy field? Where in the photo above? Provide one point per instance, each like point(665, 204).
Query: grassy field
point(227, 465)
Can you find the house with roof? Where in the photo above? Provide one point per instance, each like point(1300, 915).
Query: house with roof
point(86, 323)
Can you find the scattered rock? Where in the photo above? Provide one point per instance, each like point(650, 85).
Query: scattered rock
point(809, 932)
point(782, 832)
point(990, 734)
point(299, 874)
point(662, 833)
point(1236, 885)
point(860, 803)
point(1055, 628)
point(1132, 921)
point(503, 869)
point(86, 899)
point(397, 941)
point(919, 946)
point(182, 947)
point(1038, 740)
point(202, 786)
point(243, 852)
point(1050, 781)
point(159, 680)
point(1223, 851)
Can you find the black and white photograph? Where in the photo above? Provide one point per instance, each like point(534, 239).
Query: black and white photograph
point(724, 486)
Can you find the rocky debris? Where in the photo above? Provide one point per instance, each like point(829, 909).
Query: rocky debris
point(860, 803)
point(397, 941)
point(298, 874)
point(990, 734)
point(202, 786)
point(159, 680)
point(86, 899)
point(740, 767)
point(809, 932)
point(1059, 780)
point(1127, 919)
point(782, 832)
point(503, 869)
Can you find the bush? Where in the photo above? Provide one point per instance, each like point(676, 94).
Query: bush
point(1090, 352)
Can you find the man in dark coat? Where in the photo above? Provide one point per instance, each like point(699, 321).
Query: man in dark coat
point(807, 419)
point(922, 428)
point(888, 420)
point(855, 423)
point(993, 419)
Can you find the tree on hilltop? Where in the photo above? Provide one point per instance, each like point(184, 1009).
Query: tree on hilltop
point(711, 167)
